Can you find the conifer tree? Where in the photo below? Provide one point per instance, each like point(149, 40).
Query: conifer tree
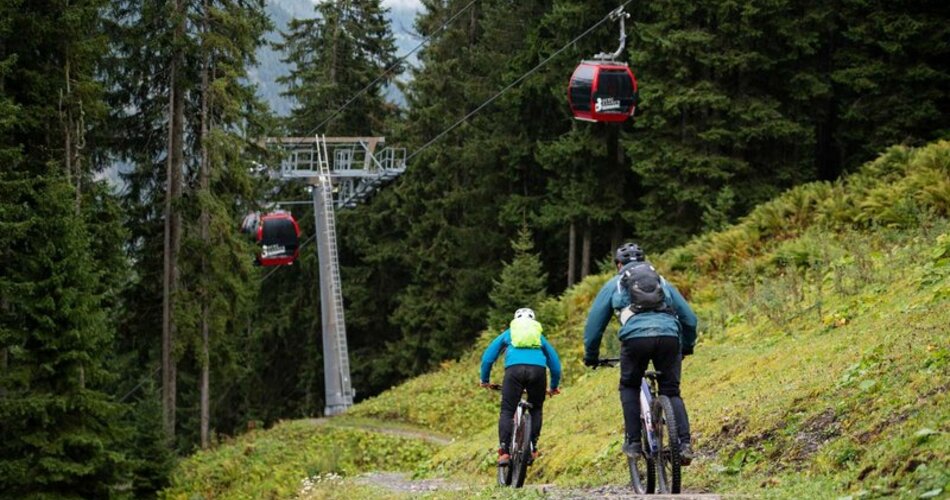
point(61, 432)
point(521, 283)
point(60, 435)
point(334, 55)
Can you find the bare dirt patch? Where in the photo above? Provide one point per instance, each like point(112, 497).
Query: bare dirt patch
point(815, 432)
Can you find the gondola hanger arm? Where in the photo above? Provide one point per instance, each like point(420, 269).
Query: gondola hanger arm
point(617, 14)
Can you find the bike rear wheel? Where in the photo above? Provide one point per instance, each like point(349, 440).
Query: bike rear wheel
point(668, 462)
point(521, 451)
point(642, 471)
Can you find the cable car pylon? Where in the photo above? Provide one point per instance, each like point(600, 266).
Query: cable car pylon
point(341, 172)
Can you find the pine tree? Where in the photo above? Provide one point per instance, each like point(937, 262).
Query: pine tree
point(521, 283)
point(61, 431)
point(335, 55)
point(217, 123)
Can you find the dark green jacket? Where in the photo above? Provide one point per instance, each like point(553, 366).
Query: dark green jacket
point(612, 298)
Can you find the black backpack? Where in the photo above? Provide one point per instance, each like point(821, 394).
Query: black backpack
point(645, 288)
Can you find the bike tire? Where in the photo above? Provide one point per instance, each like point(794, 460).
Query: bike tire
point(521, 452)
point(504, 475)
point(668, 463)
point(642, 471)
point(651, 467)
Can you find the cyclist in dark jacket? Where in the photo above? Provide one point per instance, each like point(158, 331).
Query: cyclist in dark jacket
point(664, 337)
point(527, 354)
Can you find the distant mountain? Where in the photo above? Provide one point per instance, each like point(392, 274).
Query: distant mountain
point(270, 67)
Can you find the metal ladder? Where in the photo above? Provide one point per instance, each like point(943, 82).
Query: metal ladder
point(336, 288)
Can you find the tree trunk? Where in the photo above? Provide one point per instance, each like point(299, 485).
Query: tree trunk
point(827, 156)
point(585, 251)
point(172, 241)
point(205, 185)
point(72, 134)
point(571, 255)
point(3, 369)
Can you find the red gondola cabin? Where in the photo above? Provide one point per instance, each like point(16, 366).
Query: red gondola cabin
point(279, 237)
point(602, 91)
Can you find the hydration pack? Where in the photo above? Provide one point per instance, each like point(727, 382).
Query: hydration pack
point(525, 333)
point(645, 289)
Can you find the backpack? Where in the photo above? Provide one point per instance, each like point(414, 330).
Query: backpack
point(645, 288)
point(525, 333)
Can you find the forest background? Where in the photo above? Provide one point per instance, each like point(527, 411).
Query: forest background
point(133, 326)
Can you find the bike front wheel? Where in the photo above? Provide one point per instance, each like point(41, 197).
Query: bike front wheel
point(668, 461)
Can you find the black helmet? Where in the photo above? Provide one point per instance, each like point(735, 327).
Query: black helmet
point(629, 252)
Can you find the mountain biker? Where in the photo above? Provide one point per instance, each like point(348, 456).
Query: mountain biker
point(528, 352)
point(664, 332)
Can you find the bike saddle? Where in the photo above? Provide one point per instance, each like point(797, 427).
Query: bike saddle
point(526, 404)
point(652, 375)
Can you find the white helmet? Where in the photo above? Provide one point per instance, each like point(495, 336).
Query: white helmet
point(524, 312)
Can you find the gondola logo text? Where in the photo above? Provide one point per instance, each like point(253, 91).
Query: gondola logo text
point(606, 104)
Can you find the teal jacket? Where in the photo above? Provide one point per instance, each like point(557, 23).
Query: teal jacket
point(612, 298)
point(540, 356)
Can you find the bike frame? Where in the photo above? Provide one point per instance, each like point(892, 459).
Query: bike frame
point(646, 416)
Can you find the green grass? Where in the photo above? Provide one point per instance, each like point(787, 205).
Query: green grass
point(273, 463)
point(822, 368)
point(842, 398)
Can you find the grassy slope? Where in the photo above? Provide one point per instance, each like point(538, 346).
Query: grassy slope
point(822, 366)
point(275, 463)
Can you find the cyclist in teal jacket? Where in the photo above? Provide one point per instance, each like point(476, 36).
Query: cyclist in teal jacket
point(663, 337)
point(527, 355)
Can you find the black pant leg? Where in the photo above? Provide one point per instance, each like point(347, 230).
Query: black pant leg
point(669, 362)
point(634, 356)
point(511, 388)
point(536, 383)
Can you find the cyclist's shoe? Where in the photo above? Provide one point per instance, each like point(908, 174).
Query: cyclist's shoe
point(534, 456)
point(503, 458)
point(686, 453)
point(632, 450)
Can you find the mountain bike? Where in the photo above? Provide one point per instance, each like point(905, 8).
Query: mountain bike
point(515, 472)
point(659, 439)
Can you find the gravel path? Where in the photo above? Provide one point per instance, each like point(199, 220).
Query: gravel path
point(399, 483)
point(615, 492)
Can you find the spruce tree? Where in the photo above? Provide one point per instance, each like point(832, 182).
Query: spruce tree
point(335, 55)
point(60, 435)
point(521, 283)
point(61, 430)
point(221, 122)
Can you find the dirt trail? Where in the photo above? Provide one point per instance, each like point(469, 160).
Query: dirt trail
point(400, 483)
point(383, 429)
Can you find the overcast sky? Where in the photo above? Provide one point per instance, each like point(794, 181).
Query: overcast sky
point(412, 5)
